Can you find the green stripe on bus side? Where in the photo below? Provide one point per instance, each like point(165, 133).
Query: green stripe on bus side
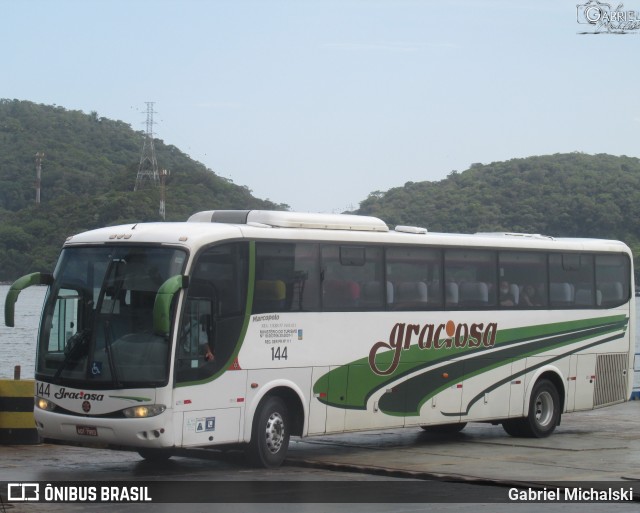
point(248, 307)
point(514, 335)
point(544, 362)
point(361, 382)
point(245, 323)
point(565, 338)
point(408, 397)
point(131, 398)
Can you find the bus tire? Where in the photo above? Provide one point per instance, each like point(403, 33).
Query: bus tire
point(445, 429)
point(514, 427)
point(543, 416)
point(269, 434)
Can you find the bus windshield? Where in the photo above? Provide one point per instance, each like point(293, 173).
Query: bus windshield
point(97, 323)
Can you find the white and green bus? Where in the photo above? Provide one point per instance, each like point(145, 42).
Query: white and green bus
point(243, 328)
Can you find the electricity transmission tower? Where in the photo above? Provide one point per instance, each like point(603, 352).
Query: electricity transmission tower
point(148, 168)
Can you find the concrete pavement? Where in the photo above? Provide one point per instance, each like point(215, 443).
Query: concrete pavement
point(594, 446)
point(598, 445)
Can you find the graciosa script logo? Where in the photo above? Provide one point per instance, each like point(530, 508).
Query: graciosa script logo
point(64, 394)
point(430, 337)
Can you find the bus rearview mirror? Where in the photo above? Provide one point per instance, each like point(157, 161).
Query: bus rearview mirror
point(18, 286)
point(162, 304)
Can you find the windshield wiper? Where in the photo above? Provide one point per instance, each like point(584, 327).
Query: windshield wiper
point(109, 351)
point(111, 275)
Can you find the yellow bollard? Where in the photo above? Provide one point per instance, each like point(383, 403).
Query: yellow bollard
point(17, 425)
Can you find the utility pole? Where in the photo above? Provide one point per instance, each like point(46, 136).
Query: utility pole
point(163, 176)
point(148, 168)
point(39, 156)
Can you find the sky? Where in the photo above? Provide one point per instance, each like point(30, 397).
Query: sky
point(317, 104)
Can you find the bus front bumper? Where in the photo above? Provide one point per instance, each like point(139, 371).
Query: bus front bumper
point(151, 432)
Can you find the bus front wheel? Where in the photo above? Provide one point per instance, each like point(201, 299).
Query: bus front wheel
point(543, 416)
point(269, 434)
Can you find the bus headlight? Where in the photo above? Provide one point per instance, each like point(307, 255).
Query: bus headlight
point(44, 404)
point(141, 412)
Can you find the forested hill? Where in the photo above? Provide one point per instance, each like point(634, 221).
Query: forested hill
point(90, 166)
point(572, 195)
point(88, 176)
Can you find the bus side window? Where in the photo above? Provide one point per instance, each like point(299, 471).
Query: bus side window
point(197, 320)
point(213, 312)
point(269, 296)
point(352, 278)
point(414, 277)
point(571, 280)
point(65, 318)
point(287, 277)
point(474, 272)
point(613, 280)
point(526, 275)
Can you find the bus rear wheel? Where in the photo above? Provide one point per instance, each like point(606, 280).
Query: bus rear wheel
point(270, 434)
point(543, 416)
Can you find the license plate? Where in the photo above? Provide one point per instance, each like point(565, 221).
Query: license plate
point(87, 430)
